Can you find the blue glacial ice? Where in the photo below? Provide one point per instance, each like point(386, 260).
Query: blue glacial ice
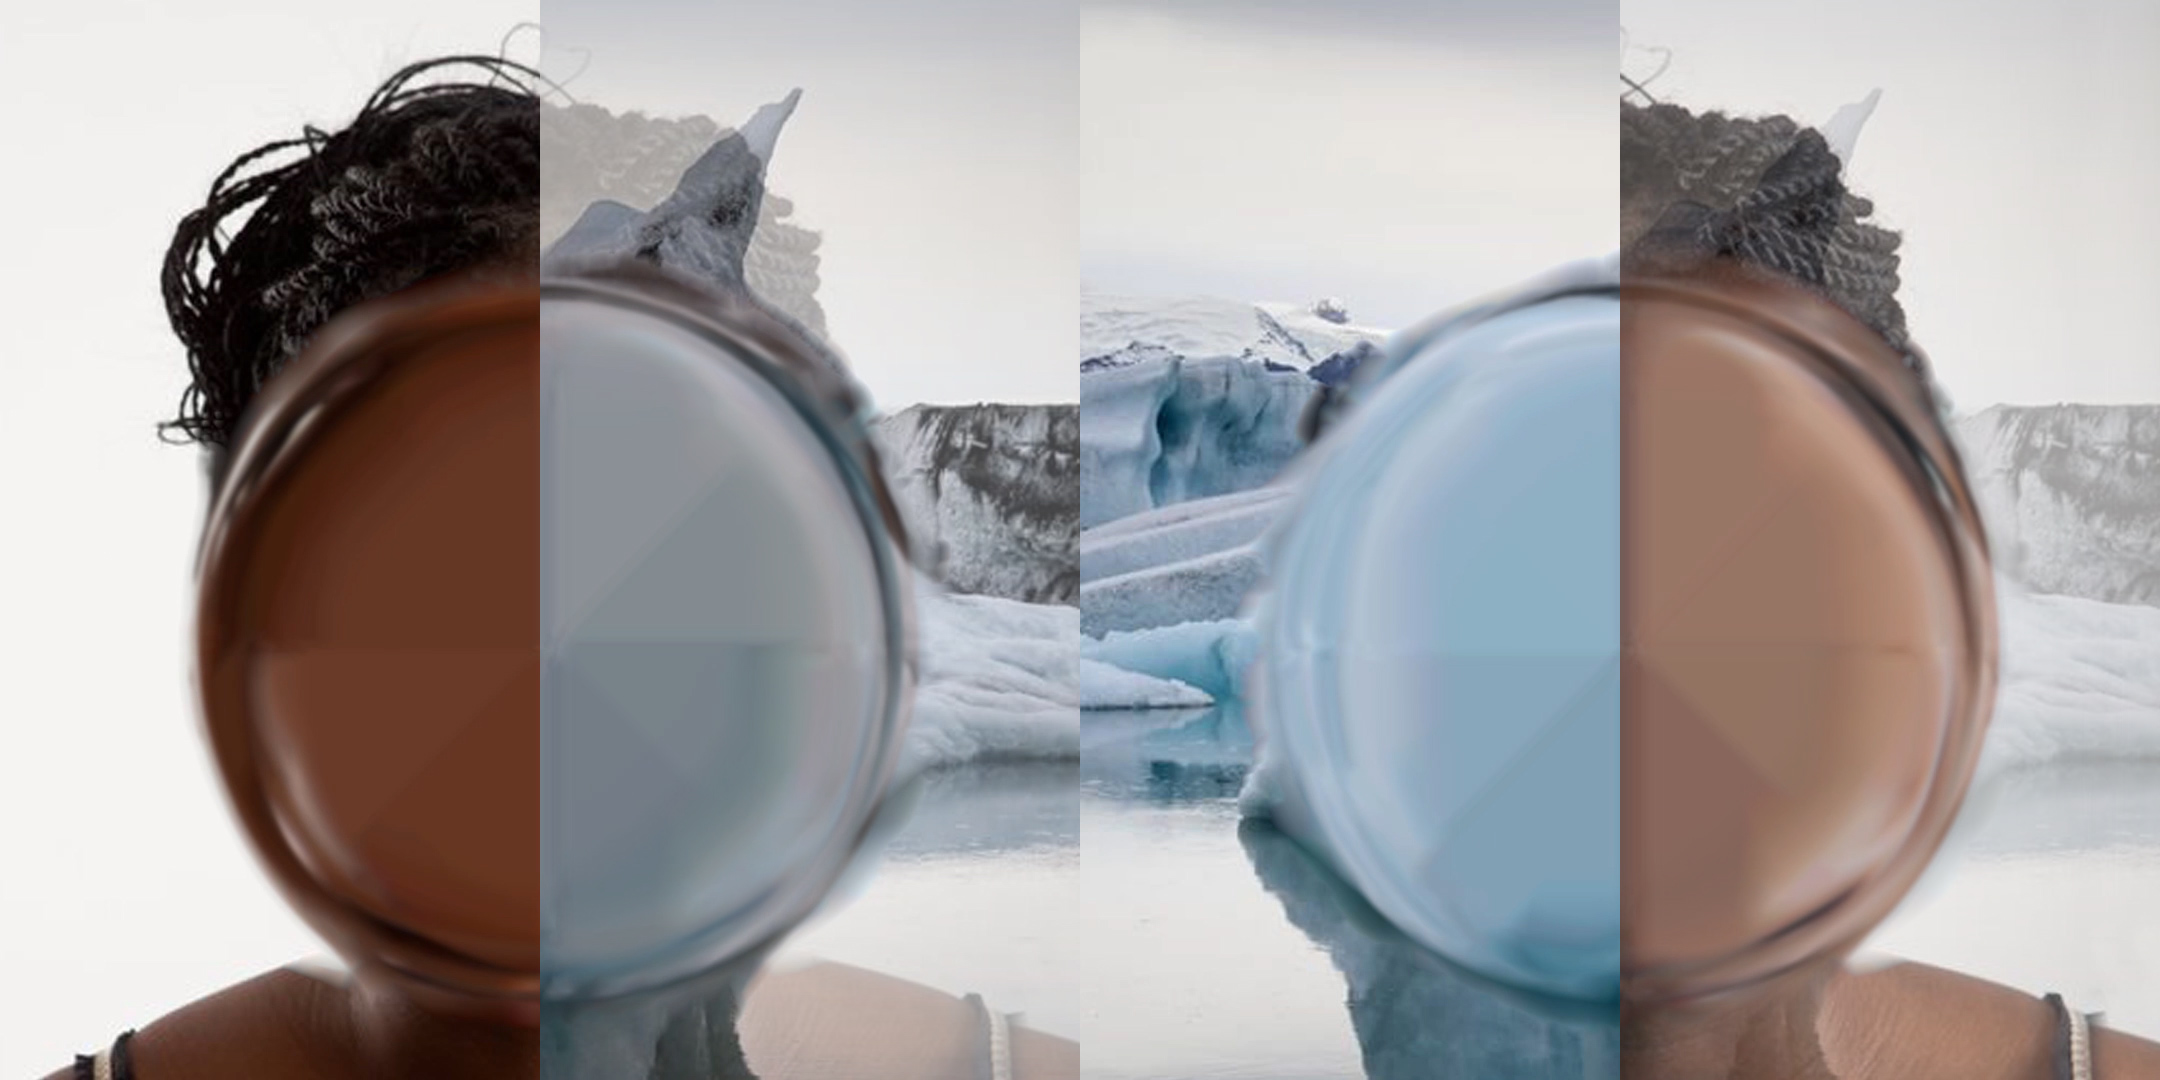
point(1208, 656)
point(1171, 429)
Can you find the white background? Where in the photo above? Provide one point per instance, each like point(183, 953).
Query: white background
point(125, 890)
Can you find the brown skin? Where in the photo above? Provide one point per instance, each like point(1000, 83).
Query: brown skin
point(1904, 1022)
point(1923, 1023)
point(287, 1024)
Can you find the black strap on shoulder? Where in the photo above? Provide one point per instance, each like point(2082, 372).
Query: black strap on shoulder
point(123, 1064)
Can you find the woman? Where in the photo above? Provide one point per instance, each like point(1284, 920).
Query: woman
point(427, 207)
point(1708, 197)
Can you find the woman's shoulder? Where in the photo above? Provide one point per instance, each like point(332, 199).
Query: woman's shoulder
point(279, 1023)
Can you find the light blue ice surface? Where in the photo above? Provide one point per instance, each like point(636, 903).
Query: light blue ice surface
point(1440, 678)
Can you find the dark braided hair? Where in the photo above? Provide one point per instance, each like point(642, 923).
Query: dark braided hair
point(427, 179)
point(1766, 192)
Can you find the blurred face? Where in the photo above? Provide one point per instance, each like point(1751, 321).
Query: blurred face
point(1806, 634)
point(547, 647)
point(368, 664)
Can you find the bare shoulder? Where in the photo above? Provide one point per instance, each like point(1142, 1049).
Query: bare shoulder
point(280, 1023)
point(1913, 1020)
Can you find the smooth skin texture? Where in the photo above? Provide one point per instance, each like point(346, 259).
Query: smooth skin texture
point(287, 1024)
point(1904, 1022)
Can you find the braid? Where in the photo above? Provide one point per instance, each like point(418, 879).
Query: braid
point(425, 180)
point(1766, 192)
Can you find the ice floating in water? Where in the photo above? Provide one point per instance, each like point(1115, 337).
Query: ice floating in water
point(996, 680)
point(1210, 656)
point(1191, 562)
point(1105, 687)
point(2079, 679)
point(1174, 534)
point(1206, 588)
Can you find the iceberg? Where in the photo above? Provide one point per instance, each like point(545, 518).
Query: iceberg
point(1168, 430)
point(1209, 656)
point(994, 679)
point(1202, 589)
point(2080, 678)
point(1176, 533)
point(1105, 687)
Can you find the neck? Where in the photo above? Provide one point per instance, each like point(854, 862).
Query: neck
point(391, 1034)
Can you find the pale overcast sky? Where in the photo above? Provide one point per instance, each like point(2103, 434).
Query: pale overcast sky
point(2017, 146)
point(1399, 155)
point(936, 148)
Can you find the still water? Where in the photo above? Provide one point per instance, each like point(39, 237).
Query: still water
point(2051, 882)
point(1219, 950)
point(1222, 950)
point(976, 892)
point(1186, 943)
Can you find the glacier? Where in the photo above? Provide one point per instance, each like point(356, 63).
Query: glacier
point(1163, 431)
point(1119, 330)
point(2071, 496)
point(990, 495)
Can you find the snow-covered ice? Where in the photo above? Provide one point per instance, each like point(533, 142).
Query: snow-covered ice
point(1105, 687)
point(1204, 588)
point(996, 680)
point(2080, 679)
point(1176, 533)
point(1117, 330)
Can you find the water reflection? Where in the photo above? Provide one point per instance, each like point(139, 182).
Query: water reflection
point(1168, 782)
point(964, 909)
point(2049, 883)
point(975, 892)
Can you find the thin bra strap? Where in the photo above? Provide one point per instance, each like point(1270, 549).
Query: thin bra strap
point(2073, 1041)
point(993, 1057)
point(111, 1064)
